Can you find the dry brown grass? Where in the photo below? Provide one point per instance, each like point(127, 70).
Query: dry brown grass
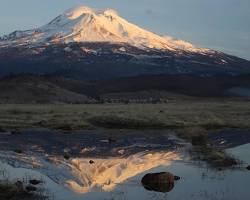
point(205, 114)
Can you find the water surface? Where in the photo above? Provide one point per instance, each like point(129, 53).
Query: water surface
point(121, 159)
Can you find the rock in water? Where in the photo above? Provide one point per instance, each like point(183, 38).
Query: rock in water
point(66, 156)
point(18, 151)
point(91, 162)
point(112, 140)
point(248, 167)
point(160, 182)
point(35, 182)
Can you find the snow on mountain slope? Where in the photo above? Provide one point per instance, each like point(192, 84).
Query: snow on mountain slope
point(83, 24)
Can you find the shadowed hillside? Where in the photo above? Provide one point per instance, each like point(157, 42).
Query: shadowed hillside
point(148, 89)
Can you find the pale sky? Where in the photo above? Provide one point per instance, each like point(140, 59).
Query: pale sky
point(218, 24)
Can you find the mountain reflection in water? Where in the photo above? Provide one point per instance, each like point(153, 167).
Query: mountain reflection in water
point(92, 162)
point(105, 174)
point(118, 167)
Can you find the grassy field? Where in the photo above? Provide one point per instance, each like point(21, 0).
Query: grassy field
point(207, 114)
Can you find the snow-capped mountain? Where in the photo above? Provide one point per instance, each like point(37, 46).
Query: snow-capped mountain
point(97, 44)
point(83, 24)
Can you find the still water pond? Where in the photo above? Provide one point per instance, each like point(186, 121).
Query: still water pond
point(119, 161)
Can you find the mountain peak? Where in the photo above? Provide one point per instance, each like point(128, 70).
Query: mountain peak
point(84, 24)
point(78, 11)
point(81, 40)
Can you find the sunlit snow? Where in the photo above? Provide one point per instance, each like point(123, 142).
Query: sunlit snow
point(83, 24)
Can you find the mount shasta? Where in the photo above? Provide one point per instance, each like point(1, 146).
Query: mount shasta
point(87, 55)
point(90, 44)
